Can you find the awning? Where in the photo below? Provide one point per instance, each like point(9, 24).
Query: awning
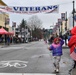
point(3, 31)
point(10, 33)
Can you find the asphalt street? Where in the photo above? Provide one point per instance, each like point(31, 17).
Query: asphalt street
point(32, 57)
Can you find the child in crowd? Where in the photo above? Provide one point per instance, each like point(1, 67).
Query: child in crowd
point(56, 48)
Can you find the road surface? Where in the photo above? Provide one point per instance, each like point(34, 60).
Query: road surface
point(31, 58)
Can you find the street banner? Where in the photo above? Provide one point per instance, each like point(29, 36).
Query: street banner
point(30, 10)
point(13, 24)
point(74, 17)
point(63, 16)
point(59, 21)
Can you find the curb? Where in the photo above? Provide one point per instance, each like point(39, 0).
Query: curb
point(65, 47)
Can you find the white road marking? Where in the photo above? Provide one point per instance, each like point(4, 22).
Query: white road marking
point(25, 74)
point(14, 48)
point(13, 63)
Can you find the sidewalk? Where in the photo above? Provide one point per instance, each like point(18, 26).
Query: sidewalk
point(64, 47)
point(73, 72)
point(5, 45)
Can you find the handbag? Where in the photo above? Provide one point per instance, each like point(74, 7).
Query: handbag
point(73, 54)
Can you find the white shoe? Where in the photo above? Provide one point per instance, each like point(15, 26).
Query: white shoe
point(57, 70)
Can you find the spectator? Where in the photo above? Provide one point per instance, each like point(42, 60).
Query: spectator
point(8, 40)
point(72, 43)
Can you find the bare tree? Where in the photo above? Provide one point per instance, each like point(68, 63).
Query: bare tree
point(35, 22)
point(35, 25)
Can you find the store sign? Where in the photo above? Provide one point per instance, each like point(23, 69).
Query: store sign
point(30, 10)
point(75, 18)
point(59, 21)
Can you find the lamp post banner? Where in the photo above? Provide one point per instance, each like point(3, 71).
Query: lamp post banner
point(59, 21)
point(30, 10)
point(63, 16)
point(13, 24)
point(74, 17)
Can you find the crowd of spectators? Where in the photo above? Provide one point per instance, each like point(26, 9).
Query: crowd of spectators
point(9, 39)
point(65, 37)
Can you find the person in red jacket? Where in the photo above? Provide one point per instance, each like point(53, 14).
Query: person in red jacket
point(72, 42)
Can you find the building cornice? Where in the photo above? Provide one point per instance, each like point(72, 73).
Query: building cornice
point(2, 3)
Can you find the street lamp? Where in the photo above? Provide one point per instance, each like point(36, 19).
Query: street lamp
point(61, 28)
point(73, 12)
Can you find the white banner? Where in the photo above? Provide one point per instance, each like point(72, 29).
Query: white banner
point(30, 10)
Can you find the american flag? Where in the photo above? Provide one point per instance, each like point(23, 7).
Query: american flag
point(8, 8)
point(73, 54)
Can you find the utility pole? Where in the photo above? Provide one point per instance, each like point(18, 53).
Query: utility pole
point(5, 29)
point(73, 12)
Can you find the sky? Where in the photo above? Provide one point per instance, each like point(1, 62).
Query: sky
point(47, 19)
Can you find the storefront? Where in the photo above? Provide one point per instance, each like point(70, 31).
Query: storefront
point(3, 17)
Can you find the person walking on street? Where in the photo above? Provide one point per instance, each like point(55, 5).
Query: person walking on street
point(8, 40)
point(72, 43)
point(51, 39)
point(65, 38)
point(69, 35)
point(56, 48)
